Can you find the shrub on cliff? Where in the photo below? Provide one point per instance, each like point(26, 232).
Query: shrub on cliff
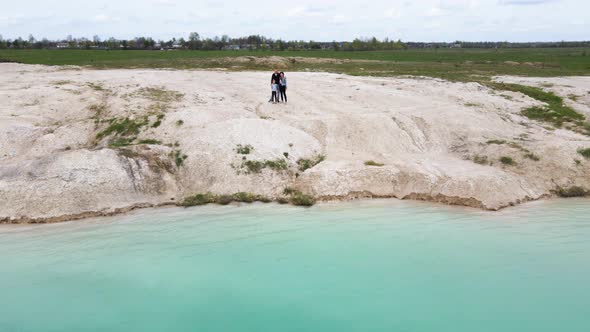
point(198, 199)
point(574, 191)
point(585, 153)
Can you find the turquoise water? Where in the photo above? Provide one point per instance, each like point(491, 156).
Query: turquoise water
point(361, 266)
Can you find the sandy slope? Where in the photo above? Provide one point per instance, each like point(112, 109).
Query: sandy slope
point(425, 131)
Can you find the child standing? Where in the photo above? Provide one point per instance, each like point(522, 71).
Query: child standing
point(275, 92)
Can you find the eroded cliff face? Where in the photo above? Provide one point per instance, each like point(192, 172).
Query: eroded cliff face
point(77, 142)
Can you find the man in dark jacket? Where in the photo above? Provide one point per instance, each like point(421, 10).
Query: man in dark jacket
point(276, 78)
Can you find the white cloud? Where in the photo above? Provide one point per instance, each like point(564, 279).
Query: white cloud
point(340, 19)
point(418, 20)
point(525, 2)
point(392, 13)
point(164, 2)
point(436, 12)
point(303, 12)
point(102, 18)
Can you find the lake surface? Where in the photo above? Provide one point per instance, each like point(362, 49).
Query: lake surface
point(382, 265)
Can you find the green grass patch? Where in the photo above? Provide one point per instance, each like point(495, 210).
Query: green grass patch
point(496, 141)
point(123, 127)
point(507, 161)
point(99, 110)
point(574, 191)
point(555, 112)
point(283, 200)
point(178, 157)
point(62, 82)
point(150, 141)
point(289, 191)
point(244, 149)
point(179, 123)
point(198, 199)
point(298, 198)
point(555, 115)
point(533, 92)
point(121, 142)
point(256, 166)
point(95, 86)
point(245, 197)
point(253, 166)
point(373, 163)
point(585, 153)
point(209, 198)
point(532, 156)
point(277, 164)
point(305, 164)
point(224, 199)
point(160, 94)
point(482, 160)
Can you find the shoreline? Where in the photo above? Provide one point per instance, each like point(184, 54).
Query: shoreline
point(335, 200)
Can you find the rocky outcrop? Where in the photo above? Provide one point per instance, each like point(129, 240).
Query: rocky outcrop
point(80, 143)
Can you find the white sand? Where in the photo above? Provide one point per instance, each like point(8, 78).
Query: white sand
point(424, 131)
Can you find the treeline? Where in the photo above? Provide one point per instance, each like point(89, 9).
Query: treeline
point(463, 44)
point(256, 42)
point(195, 42)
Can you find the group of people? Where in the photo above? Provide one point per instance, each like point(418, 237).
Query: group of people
point(278, 84)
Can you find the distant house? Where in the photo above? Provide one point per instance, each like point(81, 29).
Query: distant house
point(456, 45)
point(232, 47)
point(62, 45)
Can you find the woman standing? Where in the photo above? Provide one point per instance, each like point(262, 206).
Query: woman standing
point(283, 87)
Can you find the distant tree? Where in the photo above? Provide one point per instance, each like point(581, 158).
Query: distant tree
point(149, 43)
point(18, 43)
point(314, 46)
point(112, 43)
point(208, 44)
point(374, 44)
point(399, 45)
point(279, 45)
point(357, 45)
point(194, 41)
point(85, 43)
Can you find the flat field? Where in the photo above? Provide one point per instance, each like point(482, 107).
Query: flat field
point(452, 64)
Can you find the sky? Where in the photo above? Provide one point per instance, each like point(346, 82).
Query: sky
point(320, 20)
